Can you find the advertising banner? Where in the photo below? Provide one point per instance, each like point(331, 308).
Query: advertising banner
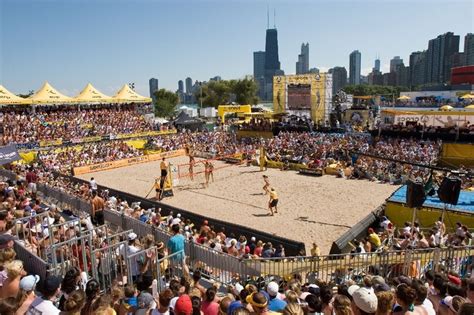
point(126, 162)
point(8, 154)
point(50, 143)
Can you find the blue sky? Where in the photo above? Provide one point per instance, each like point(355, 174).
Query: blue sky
point(111, 42)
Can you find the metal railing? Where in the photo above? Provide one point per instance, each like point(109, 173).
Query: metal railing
point(339, 268)
point(170, 267)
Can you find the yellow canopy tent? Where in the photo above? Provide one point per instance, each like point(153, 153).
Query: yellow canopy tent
point(91, 95)
point(127, 95)
point(8, 98)
point(403, 98)
point(467, 96)
point(446, 108)
point(49, 95)
point(469, 106)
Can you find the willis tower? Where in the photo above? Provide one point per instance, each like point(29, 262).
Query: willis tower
point(271, 63)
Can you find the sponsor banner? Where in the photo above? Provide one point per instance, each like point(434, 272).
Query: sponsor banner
point(144, 134)
point(126, 162)
point(8, 154)
point(444, 121)
point(86, 139)
point(50, 143)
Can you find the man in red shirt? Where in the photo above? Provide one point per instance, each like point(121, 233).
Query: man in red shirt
point(31, 179)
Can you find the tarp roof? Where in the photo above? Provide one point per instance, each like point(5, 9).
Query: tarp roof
point(126, 94)
point(185, 119)
point(91, 95)
point(49, 95)
point(8, 98)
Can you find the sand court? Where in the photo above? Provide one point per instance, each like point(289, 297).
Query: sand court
point(310, 209)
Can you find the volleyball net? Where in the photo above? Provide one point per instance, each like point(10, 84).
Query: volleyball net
point(196, 171)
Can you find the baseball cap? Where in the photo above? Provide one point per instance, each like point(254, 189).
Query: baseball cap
point(352, 289)
point(132, 236)
point(52, 283)
point(28, 283)
point(365, 300)
point(272, 288)
point(454, 280)
point(145, 299)
point(183, 305)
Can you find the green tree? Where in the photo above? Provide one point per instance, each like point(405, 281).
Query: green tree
point(165, 104)
point(216, 93)
point(245, 91)
point(30, 92)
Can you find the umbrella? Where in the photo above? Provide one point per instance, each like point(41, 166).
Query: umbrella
point(404, 98)
point(467, 96)
point(446, 108)
point(469, 106)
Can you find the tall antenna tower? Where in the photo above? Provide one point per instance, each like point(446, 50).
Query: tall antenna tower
point(268, 17)
point(274, 18)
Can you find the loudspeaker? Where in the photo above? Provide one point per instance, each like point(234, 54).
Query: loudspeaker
point(448, 191)
point(415, 195)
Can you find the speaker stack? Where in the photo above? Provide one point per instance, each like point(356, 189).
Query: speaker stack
point(448, 191)
point(415, 196)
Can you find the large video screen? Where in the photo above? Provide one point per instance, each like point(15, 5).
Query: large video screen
point(299, 97)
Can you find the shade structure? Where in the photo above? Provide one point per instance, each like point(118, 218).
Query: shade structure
point(403, 98)
point(127, 95)
point(8, 98)
point(469, 106)
point(91, 95)
point(446, 108)
point(467, 96)
point(49, 95)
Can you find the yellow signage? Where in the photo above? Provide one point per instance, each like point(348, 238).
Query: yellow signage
point(126, 162)
point(317, 84)
point(223, 109)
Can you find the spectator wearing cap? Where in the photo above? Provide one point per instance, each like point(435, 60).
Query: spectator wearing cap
point(183, 306)
point(27, 295)
point(275, 304)
point(364, 302)
point(131, 250)
point(45, 303)
point(145, 303)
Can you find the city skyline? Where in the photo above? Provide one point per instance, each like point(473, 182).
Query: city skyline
point(86, 46)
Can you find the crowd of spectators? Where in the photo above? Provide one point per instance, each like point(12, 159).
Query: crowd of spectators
point(69, 124)
point(71, 294)
point(66, 158)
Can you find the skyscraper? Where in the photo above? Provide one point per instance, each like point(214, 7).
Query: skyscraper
point(354, 67)
point(272, 62)
point(417, 68)
point(394, 62)
point(439, 57)
point(189, 85)
point(259, 72)
point(339, 78)
point(302, 65)
point(377, 65)
point(180, 86)
point(153, 84)
point(469, 49)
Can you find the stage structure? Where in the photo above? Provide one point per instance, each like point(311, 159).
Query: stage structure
point(307, 95)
